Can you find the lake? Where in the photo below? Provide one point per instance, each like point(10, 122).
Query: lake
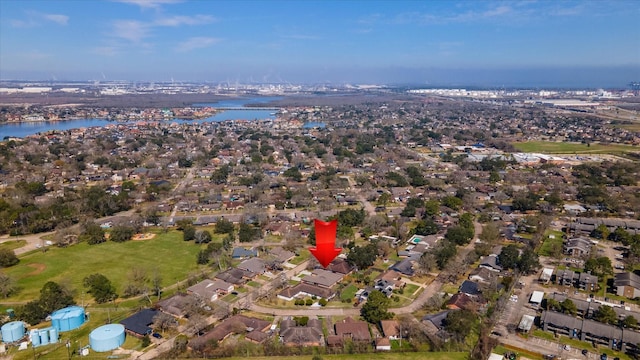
point(29, 128)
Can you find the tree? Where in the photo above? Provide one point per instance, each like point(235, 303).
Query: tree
point(92, 233)
point(182, 223)
point(600, 266)
point(54, 297)
point(431, 207)
point(509, 256)
point(458, 235)
point(247, 233)
point(8, 258)
point(203, 237)
point(568, 307)
point(224, 226)
point(31, 312)
point(452, 202)
point(362, 256)
point(490, 233)
point(426, 227)
point(188, 233)
point(459, 323)
point(7, 286)
point(121, 233)
point(606, 314)
point(443, 252)
point(528, 261)
point(293, 173)
point(163, 321)
point(376, 308)
point(630, 322)
point(100, 288)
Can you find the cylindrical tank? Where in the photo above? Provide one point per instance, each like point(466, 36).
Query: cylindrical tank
point(35, 338)
point(12, 331)
point(107, 337)
point(44, 337)
point(68, 318)
point(53, 335)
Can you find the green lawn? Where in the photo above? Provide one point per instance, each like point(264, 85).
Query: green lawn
point(304, 255)
point(168, 253)
point(13, 244)
point(349, 292)
point(550, 246)
point(409, 289)
point(254, 284)
point(551, 147)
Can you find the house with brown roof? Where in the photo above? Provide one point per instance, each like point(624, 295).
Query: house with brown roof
point(235, 276)
point(393, 277)
point(236, 324)
point(383, 344)
point(322, 278)
point(302, 290)
point(309, 335)
point(390, 329)
point(461, 301)
point(175, 305)
point(340, 266)
point(356, 330)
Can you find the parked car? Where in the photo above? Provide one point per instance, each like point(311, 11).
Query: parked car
point(156, 335)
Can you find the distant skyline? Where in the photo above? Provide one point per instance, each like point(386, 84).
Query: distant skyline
point(465, 43)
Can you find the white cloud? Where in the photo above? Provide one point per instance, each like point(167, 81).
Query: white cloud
point(149, 4)
point(131, 30)
point(35, 19)
point(178, 20)
point(57, 18)
point(198, 42)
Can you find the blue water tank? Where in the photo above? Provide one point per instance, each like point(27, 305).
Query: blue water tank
point(35, 337)
point(53, 335)
point(69, 318)
point(12, 331)
point(44, 336)
point(107, 337)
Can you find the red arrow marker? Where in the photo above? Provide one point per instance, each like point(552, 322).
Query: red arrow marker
point(325, 250)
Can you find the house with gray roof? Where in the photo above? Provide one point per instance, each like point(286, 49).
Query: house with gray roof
point(254, 265)
point(322, 278)
point(578, 246)
point(627, 284)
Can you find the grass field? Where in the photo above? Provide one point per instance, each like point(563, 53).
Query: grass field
point(376, 356)
point(550, 246)
point(13, 244)
point(173, 258)
point(550, 147)
point(349, 292)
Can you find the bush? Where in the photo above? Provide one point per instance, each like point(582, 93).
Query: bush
point(323, 302)
point(146, 341)
point(309, 302)
point(8, 258)
point(299, 302)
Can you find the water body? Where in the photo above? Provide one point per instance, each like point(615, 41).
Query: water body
point(29, 128)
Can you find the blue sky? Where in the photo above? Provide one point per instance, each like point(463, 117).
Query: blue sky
point(555, 43)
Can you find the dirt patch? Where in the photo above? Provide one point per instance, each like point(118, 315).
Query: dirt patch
point(145, 236)
point(38, 268)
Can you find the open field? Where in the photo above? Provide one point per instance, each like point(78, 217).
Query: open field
point(13, 244)
point(549, 147)
point(173, 258)
point(376, 356)
point(550, 246)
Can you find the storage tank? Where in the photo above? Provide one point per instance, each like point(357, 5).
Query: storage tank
point(12, 331)
point(107, 337)
point(44, 336)
point(68, 318)
point(53, 335)
point(35, 337)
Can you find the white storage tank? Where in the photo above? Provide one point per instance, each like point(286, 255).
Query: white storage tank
point(44, 337)
point(53, 335)
point(12, 331)
point(35, 337)
point(107, 337)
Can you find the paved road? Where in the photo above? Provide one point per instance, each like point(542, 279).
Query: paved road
point(368, 207)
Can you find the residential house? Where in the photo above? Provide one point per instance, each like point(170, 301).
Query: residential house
point(483, 275)
point(235, 276)
point(577, 246)
point(253, 265)
point(232, 325)
point(491, 262)
point(282, 255)
point(175, 305)
point(470, 288)
point(391, 329)
point(309, 335)
point(340, 266)
point(627, 284)
point(302, 290)
point(209, 290)
point(588, 282)
point(461, 301)
point(393, 277)
point(383, 344)
point(357, 331)
point(242, 253)
point(323, 278)
point(565, 277)
point(139, 323)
